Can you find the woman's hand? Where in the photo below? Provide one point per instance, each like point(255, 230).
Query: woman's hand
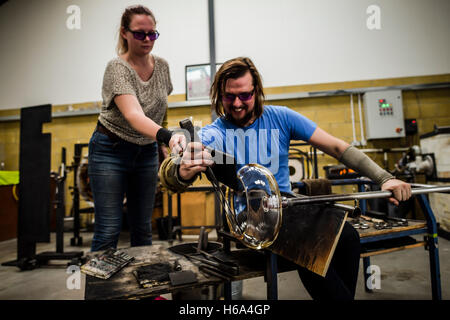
point(400, 189)
point(195, 159)
point(177, 143)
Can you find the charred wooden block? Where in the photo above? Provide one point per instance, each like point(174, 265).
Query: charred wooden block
point(309, 235)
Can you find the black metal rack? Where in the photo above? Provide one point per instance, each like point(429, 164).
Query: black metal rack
point(77, 240)
point(34, 199)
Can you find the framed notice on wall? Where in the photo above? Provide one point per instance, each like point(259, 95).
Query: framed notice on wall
point(198, 81)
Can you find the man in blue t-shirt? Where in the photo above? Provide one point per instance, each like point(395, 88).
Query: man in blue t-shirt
point(254, 133)
point(265, 141)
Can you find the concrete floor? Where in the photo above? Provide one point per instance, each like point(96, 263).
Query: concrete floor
point(405, 275)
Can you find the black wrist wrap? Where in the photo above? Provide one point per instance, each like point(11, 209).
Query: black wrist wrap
point(163, 136)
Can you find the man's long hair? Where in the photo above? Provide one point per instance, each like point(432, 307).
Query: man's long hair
point(233, 69)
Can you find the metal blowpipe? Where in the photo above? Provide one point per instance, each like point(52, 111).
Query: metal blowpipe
point(358, 196)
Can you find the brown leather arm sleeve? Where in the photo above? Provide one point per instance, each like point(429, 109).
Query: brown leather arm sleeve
point(168, 174)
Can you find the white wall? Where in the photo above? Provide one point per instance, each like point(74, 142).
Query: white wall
point(42, 61)
point(296, 42)
point(292, 42)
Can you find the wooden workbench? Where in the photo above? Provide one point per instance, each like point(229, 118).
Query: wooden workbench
point(252, 263)
point(373, 233)
point(123, 285)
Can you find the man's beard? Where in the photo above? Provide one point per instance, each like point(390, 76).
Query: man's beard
point(241, 122)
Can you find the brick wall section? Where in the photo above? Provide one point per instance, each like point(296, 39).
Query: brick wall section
point(332, 114)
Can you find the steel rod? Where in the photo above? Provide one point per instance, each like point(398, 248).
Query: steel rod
point(360, 195)
point(353, 211)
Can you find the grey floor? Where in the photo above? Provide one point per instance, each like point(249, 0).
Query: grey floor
point(405, 275)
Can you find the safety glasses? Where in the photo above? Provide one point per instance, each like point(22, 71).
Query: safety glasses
point(141, 35)
point(244, 96)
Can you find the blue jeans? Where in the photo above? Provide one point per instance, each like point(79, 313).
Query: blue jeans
point(116, 169)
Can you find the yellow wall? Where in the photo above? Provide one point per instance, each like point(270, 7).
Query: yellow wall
point(429, 107)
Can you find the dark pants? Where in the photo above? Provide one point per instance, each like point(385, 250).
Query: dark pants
point(116, 169)
point(340, 280)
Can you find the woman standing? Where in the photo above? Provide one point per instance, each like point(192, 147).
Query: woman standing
point(123, 150)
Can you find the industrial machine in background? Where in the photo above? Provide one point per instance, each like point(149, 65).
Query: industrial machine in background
point(340, 171)
point(414, 162)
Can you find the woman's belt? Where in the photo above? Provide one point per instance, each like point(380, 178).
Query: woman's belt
point(102, 129)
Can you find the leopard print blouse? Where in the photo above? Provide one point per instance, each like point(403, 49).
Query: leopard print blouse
point(120, 78)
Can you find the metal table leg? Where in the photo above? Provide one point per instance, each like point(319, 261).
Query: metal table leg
point(366, 264)
point(169, 219)
point(227, 290)
point(271, 276)
point(432, 244)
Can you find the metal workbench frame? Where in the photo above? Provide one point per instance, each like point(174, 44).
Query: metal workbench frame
point(431, 234)
point(431, 244)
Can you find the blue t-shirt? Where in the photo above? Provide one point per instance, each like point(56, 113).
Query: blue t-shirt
point(266, 141)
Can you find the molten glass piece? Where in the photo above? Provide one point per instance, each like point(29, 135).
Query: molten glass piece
point(256, 212)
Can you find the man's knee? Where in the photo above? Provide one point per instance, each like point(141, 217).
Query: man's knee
point(350, 233)
point(349, 239)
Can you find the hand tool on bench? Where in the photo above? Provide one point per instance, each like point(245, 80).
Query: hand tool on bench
point(374, 220)
point(207, 271)
point(396, 220)
point(209, 256)
point(202, 239)
point(221, 267)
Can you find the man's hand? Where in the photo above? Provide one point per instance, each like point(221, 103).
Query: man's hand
point(164, 151)
point(177, 143)
point(195, 159)
point(400, 189)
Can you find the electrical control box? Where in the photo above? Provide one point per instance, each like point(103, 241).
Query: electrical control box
point(383, 113)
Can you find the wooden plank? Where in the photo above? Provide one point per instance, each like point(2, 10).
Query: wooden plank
point(410, 246)
point(309, 235)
